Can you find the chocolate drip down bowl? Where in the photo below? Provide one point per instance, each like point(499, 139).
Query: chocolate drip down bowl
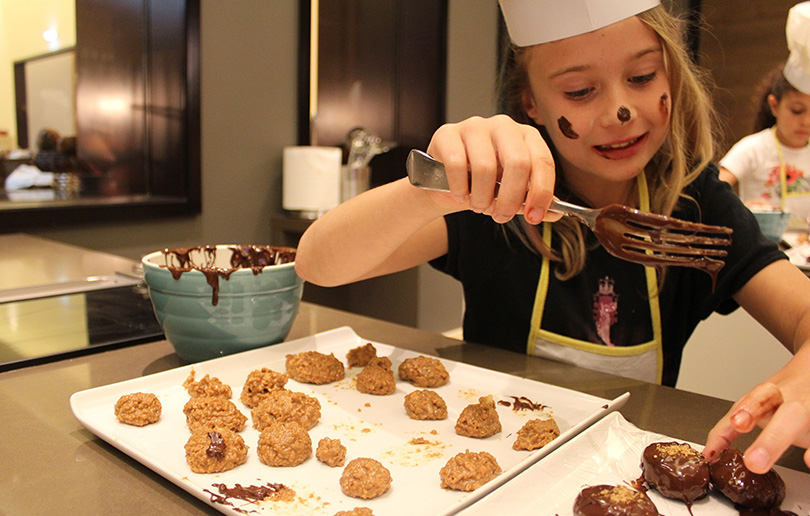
point(221, 299)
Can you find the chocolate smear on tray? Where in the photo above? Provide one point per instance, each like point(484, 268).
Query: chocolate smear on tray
point(251, 494)
point(522, 403)
point(255, 257)
point(566, 128)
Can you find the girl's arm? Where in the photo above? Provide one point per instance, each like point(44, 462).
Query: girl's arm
point(779, 298)
point(387, 229)
point(727, 176)
point(398, 226)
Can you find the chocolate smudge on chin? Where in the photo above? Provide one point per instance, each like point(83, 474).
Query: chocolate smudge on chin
point(566, 128)
point(623, 114)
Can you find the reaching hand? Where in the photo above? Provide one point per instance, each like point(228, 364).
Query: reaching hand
point(782, 411)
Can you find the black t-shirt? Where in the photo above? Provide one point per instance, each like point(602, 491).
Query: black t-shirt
point(500, 276)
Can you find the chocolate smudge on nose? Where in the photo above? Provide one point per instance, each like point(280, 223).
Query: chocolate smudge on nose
point(566, 129)
point(623, 114)
point(664, 105)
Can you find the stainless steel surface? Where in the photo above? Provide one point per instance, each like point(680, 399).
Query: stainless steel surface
point(30, 261)
point(44, 447)
point(66, 287)
point(58, 300)
point(625, 232)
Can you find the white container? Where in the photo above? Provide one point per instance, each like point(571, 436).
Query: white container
point(311, 181)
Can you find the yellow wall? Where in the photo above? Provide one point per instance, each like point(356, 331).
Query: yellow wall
point(21, 26)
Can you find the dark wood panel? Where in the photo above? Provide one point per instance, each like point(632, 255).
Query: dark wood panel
point(381, 67)
point(739, 44)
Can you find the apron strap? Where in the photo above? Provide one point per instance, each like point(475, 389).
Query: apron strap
point(536, 332)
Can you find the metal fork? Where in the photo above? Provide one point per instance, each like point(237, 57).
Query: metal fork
point(627, 233)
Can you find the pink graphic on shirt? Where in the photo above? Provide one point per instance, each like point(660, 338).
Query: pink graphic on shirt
point(605, 306)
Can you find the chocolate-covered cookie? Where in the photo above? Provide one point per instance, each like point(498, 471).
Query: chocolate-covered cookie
point(743, 487)
point(676, 470)
point(608, 500)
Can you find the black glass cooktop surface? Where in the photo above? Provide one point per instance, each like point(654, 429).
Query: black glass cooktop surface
point(52, 328)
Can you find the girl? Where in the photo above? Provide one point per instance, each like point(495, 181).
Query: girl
point(772, 166)
point(602, 109)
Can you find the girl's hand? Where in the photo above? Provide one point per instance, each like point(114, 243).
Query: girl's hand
point(496, 166)
point(783, 412)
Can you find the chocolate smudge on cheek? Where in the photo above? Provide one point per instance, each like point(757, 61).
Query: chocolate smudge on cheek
point(623, 114)
point(664, 105)
point(566, 129)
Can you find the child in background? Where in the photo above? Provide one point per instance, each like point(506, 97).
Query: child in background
point(604, 107)
point(771, 168)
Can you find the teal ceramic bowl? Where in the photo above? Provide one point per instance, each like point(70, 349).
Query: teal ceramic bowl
point(772, 223)
point(250, 310)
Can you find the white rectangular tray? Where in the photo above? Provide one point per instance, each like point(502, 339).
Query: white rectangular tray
point(369, 426)
point(610, 453)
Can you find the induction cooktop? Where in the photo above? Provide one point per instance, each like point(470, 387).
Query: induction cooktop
point(35, 331)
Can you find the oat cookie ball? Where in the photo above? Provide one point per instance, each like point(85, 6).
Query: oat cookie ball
point(210, 412)
point(468, 471)
point(360, 356)
point(479, 420)
point(214, 450)
point(284, 405)
point(284, 444)
point(314, 367)
point(365, 478)
point(208, 387)
point(377, 378)
point(425, 405)
point(357, 511)
point(535, 434)
point(331, 452)
point(259, 383)
point(138, 409)
point(423, 371)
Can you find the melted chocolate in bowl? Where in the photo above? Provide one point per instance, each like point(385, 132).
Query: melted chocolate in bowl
point(750, 490)
point(676, 470)
point(255, 257)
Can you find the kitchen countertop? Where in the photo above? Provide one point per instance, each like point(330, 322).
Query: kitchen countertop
point(30, 261)
point(52, 465)
point(59, 300)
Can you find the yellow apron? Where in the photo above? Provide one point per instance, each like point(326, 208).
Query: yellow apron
point(791, 201)
point(642, 361)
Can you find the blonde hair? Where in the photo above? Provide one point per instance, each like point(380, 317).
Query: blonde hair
point(688, 149)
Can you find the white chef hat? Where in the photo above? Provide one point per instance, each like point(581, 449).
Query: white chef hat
point(797, 30)
point(531, 22)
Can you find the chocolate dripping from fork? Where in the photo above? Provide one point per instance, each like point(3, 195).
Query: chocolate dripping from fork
point(616, 240)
